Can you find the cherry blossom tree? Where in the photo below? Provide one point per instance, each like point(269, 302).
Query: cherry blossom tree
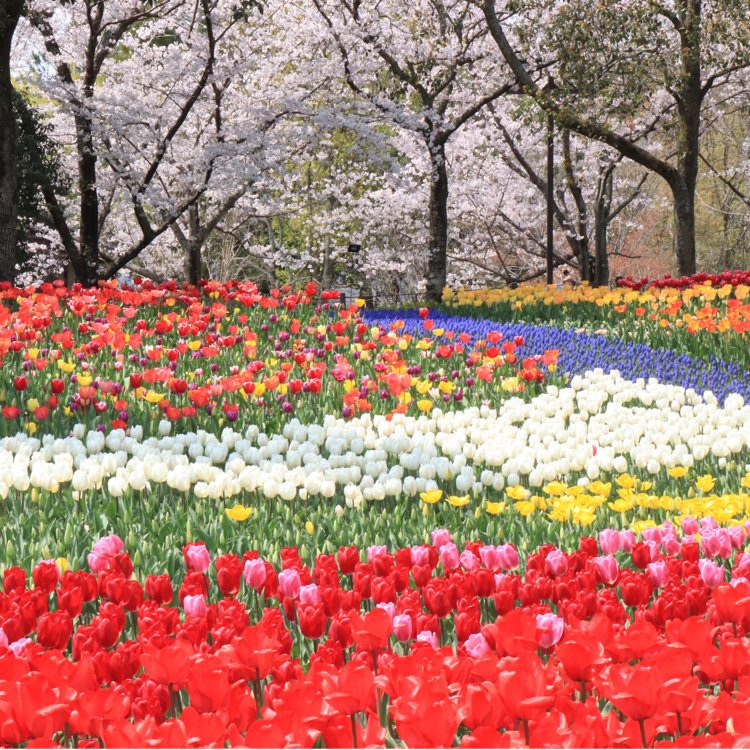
point(423, 67)
point(613, 62)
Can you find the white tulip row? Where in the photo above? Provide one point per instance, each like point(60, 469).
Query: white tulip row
point(601, 423)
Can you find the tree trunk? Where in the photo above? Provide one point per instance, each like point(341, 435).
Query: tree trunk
point(601, 226)
point(194, 245)
point(684, 228)
point(89, 237)
point(9, 16)
point(438, 224)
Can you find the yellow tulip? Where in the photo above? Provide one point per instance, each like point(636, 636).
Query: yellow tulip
point(309, 527)
point(431, 496)
point(705, 483)
point(516, 493)
point(458, 502)
point(238, 512)
point(495, 509)
point(84, 380)
point(424, 404)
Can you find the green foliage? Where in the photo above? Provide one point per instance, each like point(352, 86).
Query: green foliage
point(38, 162)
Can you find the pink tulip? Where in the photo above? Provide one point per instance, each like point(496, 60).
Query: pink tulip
point(104, 549)
point(491, 557)
point(671, 544)
point(708, 523)
point(376, 550)
point(607, 569)
point(427, 636)
point(389, 607)
point(737, 536)
point(653, 549)
point(18, 646)
point(449, 555)
point(469, 561)
point(310, 594)
point(658, 574)
point(549, 629)
point(716, 543)
point(652, 534)
point(441, 537)
point(556, 563)
point(195, 605)
point(420, 555)
point(254, 574)
point(627, 540)
point(402, 627)
point(508, 557)
point(609, 541)
point(476, 646)
point(711, 573)
point(198, 557)
point(289, 583)
point(690, 525)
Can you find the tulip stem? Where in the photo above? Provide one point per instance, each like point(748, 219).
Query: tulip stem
point(354, 732)
point(643, 732)
point(525, 723)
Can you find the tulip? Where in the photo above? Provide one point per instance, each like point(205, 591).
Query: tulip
point(195, 605)
point(690, 525)
point(609, 541)
point(289, 583)
point(508, 557)
point(428, 637)
point(449, 556)
point(197, 557)
point(476, 645)
point(375, 550)
point(440, 537)
point(658, 574)
point(671, 544)
point(716, 543)
point(254, 573)
point(711, 573)
point(402, 627)
point(469, 561)
point(607, 569)
point(627, 540)
point(490, 556)
point(310, 594)
point(549, 629)
point(556, 563)
point(420, 555)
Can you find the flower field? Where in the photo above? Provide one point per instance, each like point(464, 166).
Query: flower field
point(247, 520)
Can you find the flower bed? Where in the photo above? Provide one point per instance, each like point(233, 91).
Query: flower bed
point(627, 641)
point(586, 581)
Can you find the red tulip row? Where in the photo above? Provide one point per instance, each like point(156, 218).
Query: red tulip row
point(735, 278)
point(611, 645)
